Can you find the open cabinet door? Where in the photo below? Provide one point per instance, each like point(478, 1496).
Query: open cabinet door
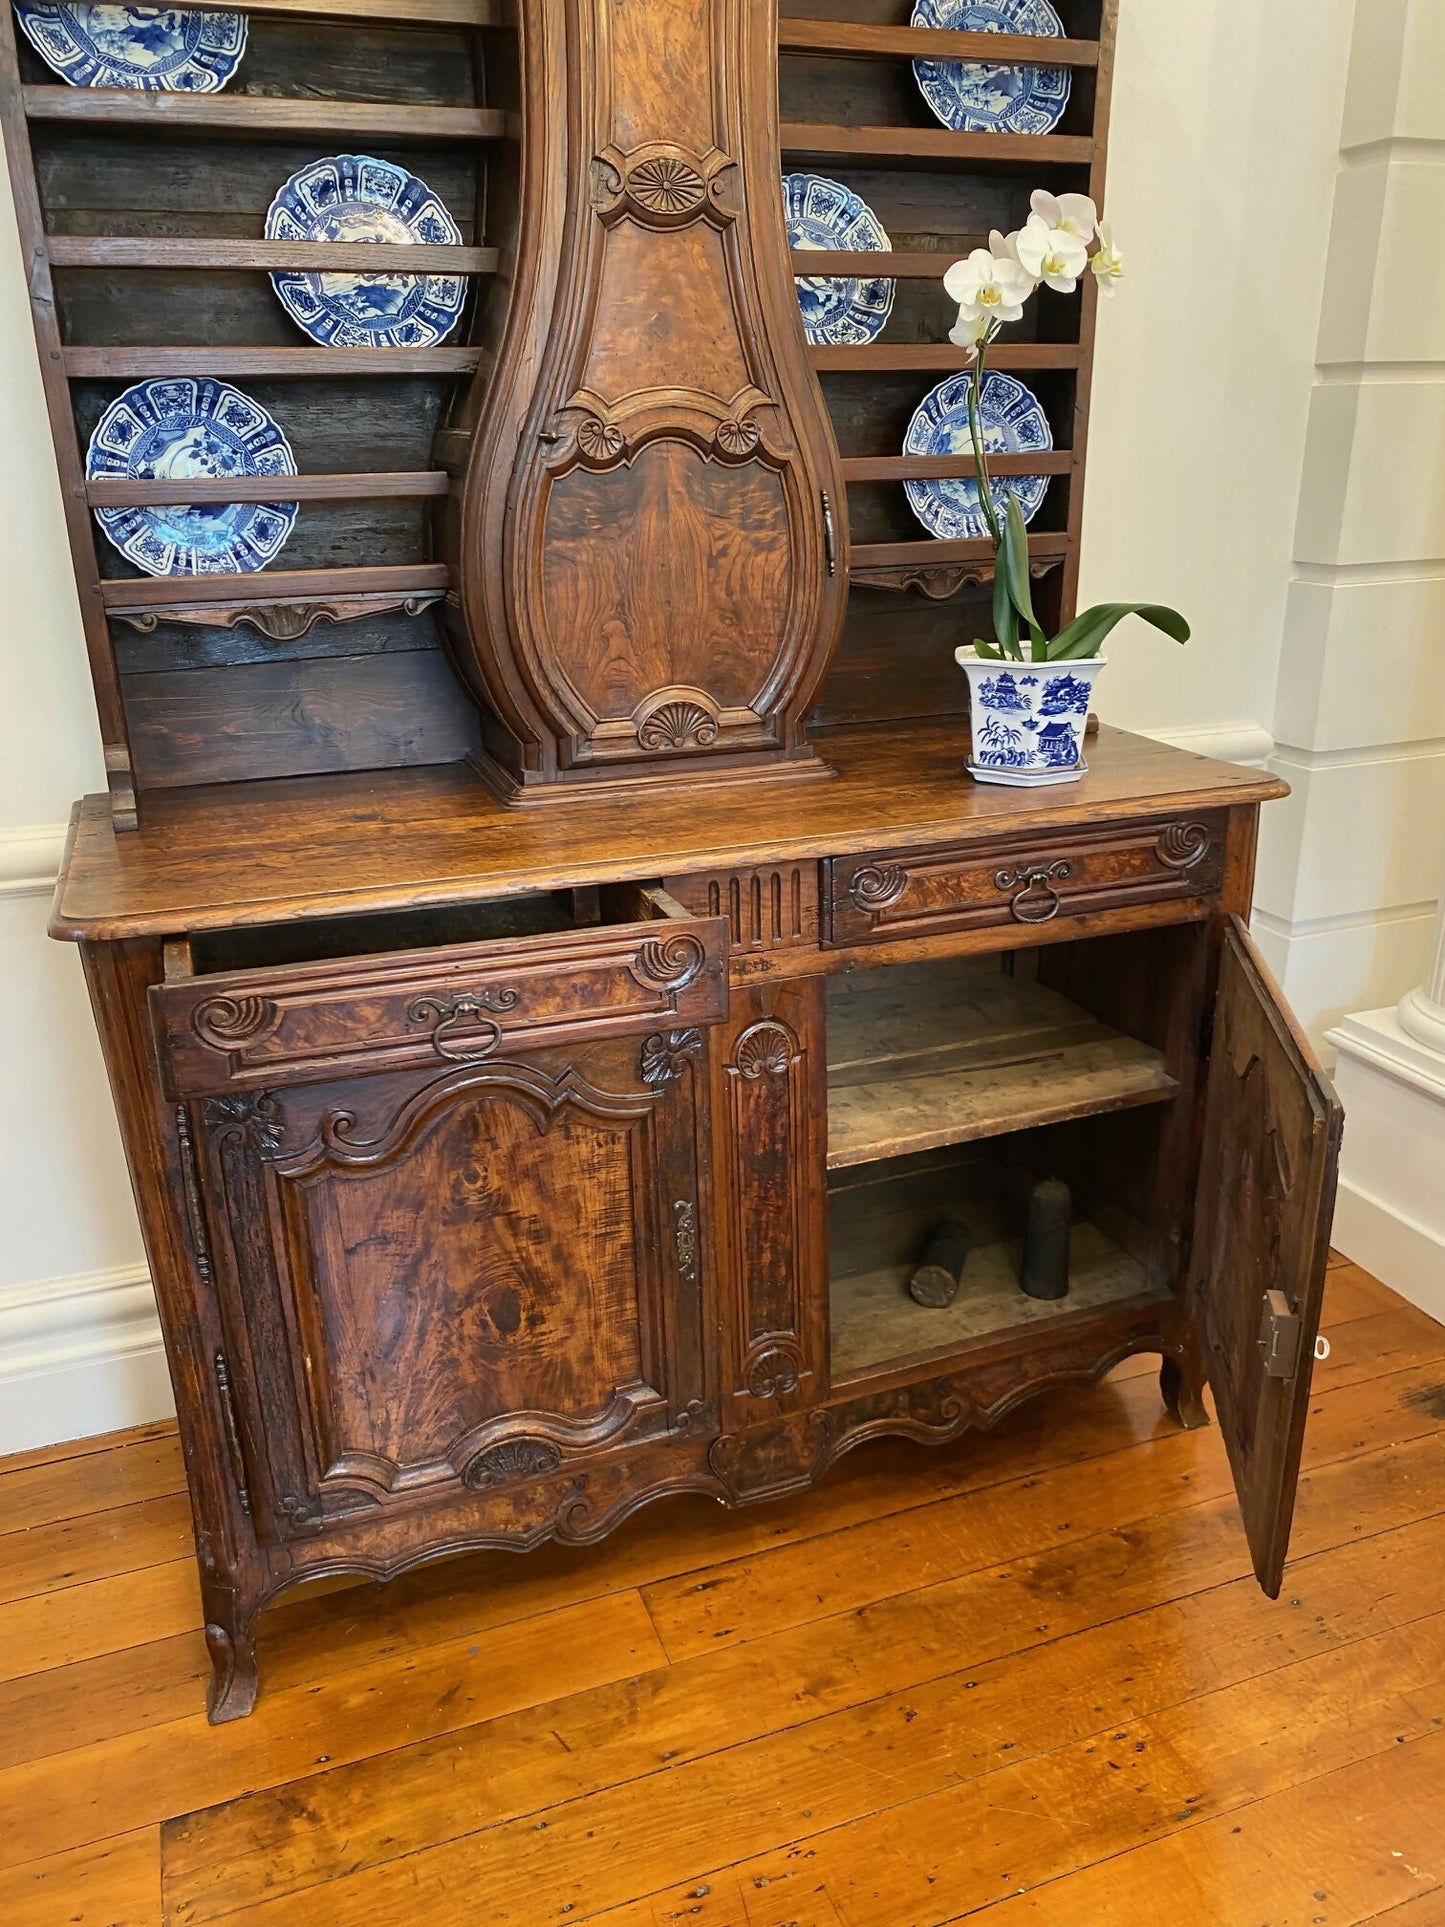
point(1266, 1197)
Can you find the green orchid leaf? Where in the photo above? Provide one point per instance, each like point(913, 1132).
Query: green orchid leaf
point(1016, 553)
point(1005, 616)
point(990, 651)
point(1085, 635)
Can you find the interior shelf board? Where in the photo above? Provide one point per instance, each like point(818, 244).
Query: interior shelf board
point(427, 13)
point(954, 1055)
point(929, 550)
point(340, 257)
point(925, 356)
point(141, 595)
point(144, 364)
point(933, 145)
point(901, 468)
point(876, 1326)
point(894, 264)
point(262, 114)
point(182, 490)
point(937, 43)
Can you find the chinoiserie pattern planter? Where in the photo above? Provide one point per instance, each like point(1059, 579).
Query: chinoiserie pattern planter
point(1028, 718)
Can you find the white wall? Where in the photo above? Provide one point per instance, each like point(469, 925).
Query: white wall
point(1224, 154)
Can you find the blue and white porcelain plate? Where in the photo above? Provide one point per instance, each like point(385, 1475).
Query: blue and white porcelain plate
point(1013, 424)
point(350, 197)
point(974, 98)
point(837, 312)
point(161, 429)
point(163, 48)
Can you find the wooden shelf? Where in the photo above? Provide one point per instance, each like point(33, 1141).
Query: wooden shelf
point(421, 13)
point(934, 145)
point(179, 491)
point(335, 257)
point(928, 356)
point(262, 114)
point(949, 1053)
point(903, 468)
point(927, 550)
point(145, 364)
point(938, 43)
point(144, 594)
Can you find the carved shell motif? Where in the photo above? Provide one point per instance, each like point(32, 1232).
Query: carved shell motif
point(512, 1459)
point(768, 1048)
point(774, 1371)
point(675, 725)
point(600, 441)
point(735, 438)
point(666, 185)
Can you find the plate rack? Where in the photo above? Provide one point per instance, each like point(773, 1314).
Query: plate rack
point(141, 216)
point(850, 109)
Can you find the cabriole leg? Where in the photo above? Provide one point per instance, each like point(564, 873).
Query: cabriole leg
point(231, 1642)
point(1181, 1386)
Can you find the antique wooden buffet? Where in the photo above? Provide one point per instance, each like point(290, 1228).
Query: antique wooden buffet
point(552, 965)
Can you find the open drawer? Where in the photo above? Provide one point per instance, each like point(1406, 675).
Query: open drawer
point(346, 996)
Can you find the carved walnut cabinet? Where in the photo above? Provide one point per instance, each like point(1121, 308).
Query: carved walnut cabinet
point(553, 969)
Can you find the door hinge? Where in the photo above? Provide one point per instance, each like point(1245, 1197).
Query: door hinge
point(233, 1430)
point(1279, 1336)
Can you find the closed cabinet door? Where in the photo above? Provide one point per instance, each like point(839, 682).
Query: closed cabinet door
point(1261, 1239)
point(441, 1282)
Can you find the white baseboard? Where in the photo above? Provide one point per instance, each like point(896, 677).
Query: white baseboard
point(30, 859)
point(1241, 742)
point(80, 1355)
point(1402, 1254)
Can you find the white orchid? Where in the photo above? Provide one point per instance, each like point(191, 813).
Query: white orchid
point(1074, 213)
point(1053, 255)
point(990, 283)
point(1108, 263)
point(970, 332)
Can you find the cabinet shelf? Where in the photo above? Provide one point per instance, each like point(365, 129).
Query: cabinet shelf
point(147, 595)
point(262, 114)
point(339, 257)
point(932, 146)
point(181, 490)
point(285, 364)
point(417, 13)
point(934, 1055)
point(940, 356)
point(863, 40)
point(903, 468)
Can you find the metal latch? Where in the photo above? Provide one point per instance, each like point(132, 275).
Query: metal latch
point(1279, 1334)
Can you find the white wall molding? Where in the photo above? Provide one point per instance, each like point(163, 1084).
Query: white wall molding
point(30, 859)
point(79, 1355)
point(1241, 742)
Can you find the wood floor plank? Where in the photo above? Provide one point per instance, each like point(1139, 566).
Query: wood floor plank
point(114, 1884)
point(107, 1616)
point(228, 1859)
point(47, 1559)
point(95, 1445)
point(51, 1805)
point(57, 1489)
point(1387, 1341)
point(1353, 1293)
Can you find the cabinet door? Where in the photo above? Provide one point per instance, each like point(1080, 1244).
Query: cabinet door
point(434, 1281)
point(1261, 1239)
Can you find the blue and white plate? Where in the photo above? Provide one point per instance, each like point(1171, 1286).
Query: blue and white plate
point(169, 48)
point(1013, 424)
point(161, 429)
point(975, 98)
point(820, 213)
point(350, 197)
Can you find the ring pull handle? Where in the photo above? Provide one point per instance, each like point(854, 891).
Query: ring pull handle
point(462, 1030)
point(1035, 899)
point(1322, 1347)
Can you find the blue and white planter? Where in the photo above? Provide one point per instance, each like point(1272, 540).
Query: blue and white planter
point(1028, 718)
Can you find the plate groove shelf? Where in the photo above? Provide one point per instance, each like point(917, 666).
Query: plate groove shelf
point(145, 364)
point(940, 356)
point(939, 43)
point(904, 468)
point(142, 595)
point(934, 145)
point(339, 257)
point(262, 114)
point(179, 490)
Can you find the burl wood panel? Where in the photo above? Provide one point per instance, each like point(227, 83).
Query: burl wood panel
point(1262, 1223)
point(650, 568)
point(476, 1274)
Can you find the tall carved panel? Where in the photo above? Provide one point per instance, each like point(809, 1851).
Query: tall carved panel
point(649, 543)
point(770, 1099)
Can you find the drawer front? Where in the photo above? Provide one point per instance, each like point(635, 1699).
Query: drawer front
point(455, 1005)
point(1014, 881)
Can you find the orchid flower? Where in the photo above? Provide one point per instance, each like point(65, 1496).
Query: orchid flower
point(989, 284)
point(1108, 263)
point(971, 330)
point(1074, 213)
point(1053, 255)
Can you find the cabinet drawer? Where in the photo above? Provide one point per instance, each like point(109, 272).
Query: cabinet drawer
point(452, 1003)
point(1021, 880)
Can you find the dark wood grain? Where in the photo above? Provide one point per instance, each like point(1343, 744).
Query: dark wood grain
point(260, 114)
point(932, 43)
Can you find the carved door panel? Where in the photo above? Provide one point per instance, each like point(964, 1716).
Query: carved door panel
point(1261, 1239)
point(771, 1106)
point(433, 1281)
point(656, 474)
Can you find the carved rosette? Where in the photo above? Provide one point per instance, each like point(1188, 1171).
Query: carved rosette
point(255, 1120)
point(661, 185)
point(878, 886)
point(664, 1054)
point(1183, 845)
point(513, 1459)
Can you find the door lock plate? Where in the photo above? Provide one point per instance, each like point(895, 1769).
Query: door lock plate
point(1279, 1336)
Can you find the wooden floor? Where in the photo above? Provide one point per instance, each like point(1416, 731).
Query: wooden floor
point(1029, 1677)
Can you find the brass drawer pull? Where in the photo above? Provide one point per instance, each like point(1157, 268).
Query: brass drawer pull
point(465, 1014)
point(1037, 900)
